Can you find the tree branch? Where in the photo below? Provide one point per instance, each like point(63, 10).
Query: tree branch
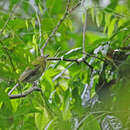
point(73, 8)
point(29, 91)
point(62, 59)
point(10, 92)
point(82, 59)
point(25, 93)
point(67, 12)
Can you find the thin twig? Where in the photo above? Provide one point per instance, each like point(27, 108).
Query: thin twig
point(29, 91)
point(61, 73)
point(67, 12)
point(10, 92)
point(92, 55)
point(67, 6)
point(76, 60)
point(62, 59)
point(125, 48)
point(73, 8)
point(54, 31)
point(91, 67)
point(82, 59)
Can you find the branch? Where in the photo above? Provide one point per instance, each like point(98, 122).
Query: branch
point(73, 8)
point(67, 6)
point(25, 93)
point(62, 59)
point(29, 91)
point(125, 48)
point(67, 12)
point(91, 67)
point(61, 73)
point(9, 93)
point(92, 55)
point(82, 59)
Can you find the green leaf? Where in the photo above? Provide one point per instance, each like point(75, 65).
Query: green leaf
point(121, 22)
point(24, 109)
point(99, 18)
point(16, 24)
point(33, 23)
point(89, 123)
point(4, 96)
point(13, 2)
point(55, 6)
point(68, 23)
point(92, 11)
point(111, 27)
point(107, 21)
point(41, 119)
point(26, 22)
point(6, 114)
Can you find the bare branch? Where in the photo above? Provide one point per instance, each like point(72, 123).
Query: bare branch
point(61, 73)
point(67, 6)
point(92, 55)
point(82, 59)
point(67, 12)
point(29, 91)
point(53, 32)
point(10, 92)
point(73, 8)
point(91, 67)
point(25, 93)
point(62, 59)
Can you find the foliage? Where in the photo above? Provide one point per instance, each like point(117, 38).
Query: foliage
point(89, 94)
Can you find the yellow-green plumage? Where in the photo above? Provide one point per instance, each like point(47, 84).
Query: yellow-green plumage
point(34, 71)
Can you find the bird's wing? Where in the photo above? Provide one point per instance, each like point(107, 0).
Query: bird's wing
point(28, 72)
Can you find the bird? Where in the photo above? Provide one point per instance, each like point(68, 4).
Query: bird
point(34, 71)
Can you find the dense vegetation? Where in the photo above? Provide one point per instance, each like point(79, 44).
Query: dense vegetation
point(86, 85)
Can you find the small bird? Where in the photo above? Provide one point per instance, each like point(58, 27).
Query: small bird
point(34, 71)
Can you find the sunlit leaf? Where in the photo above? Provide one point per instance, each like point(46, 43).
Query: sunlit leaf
point(111, 27)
